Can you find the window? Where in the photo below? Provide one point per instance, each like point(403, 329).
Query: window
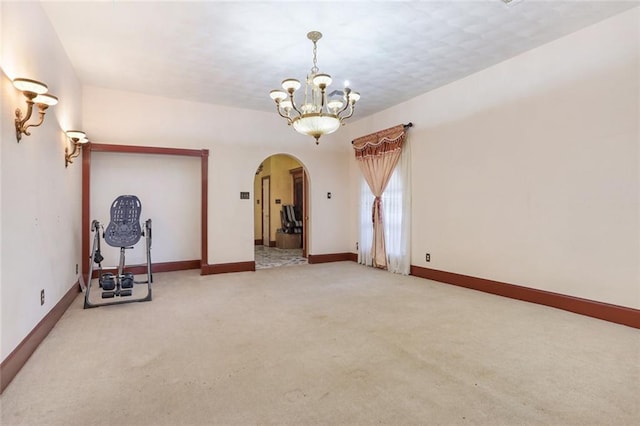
point(396, 210)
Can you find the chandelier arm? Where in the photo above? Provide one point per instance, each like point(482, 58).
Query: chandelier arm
point(289, 121)
point(353, 107)
point(347, 104)
point(293, 105)
point(282, 115)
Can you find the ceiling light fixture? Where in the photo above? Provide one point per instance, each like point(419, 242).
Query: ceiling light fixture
point(78, 138)
point(36, 93)
point(318, 115)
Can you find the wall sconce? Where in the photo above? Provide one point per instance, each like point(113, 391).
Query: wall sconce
point(36, 93)
point(78, 138)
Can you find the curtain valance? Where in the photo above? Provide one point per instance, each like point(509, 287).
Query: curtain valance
point(380, 143)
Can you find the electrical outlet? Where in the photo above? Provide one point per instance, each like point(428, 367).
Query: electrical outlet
point(42, 297)
point(76, 268)
point(357, 247)
point(427, 257)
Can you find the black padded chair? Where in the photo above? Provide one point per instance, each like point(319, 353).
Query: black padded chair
point(291, 219)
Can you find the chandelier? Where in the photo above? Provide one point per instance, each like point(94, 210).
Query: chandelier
point(319, 114)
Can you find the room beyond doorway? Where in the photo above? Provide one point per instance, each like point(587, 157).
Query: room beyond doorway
point(281, 216)
point(273, 257)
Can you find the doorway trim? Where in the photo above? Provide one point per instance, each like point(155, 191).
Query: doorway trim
point(300, 172)
point(133, 149)
point(266, 203)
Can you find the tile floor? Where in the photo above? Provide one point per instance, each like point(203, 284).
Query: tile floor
point(271, 257)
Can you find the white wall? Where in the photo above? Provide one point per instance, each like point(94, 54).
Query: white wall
point(528, 172)
point(40, 243)
point(238, 140)
point(173, 206)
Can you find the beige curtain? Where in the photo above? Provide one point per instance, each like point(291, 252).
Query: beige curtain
point(377, 155)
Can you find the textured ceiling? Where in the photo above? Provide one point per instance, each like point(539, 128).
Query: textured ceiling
point(234, 53)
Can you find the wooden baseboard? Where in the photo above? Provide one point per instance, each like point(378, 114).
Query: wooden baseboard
point(223, 268)
point(272, 243)
point(16, 359)
point(608, 312)
point(257, 242)
point(332, 257)
point(155, 267)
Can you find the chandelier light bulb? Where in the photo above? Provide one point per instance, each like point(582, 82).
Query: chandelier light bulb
point(286, 104)
point(291, 85)
point(335, 105)
point(322, 80)
point(278, 95)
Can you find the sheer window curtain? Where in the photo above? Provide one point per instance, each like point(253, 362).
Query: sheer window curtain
point(396, 206)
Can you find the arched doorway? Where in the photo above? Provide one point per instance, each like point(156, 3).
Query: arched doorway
point(281, 215)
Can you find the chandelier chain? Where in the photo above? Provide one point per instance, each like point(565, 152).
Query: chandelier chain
point(315, 69)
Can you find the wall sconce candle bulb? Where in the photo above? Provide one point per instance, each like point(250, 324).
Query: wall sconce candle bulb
point(36, 93)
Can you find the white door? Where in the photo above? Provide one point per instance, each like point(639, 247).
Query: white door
point(266, 205)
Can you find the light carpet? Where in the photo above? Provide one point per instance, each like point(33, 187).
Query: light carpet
point(331, 344)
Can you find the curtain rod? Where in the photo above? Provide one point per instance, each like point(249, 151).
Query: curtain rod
point(406, 126)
